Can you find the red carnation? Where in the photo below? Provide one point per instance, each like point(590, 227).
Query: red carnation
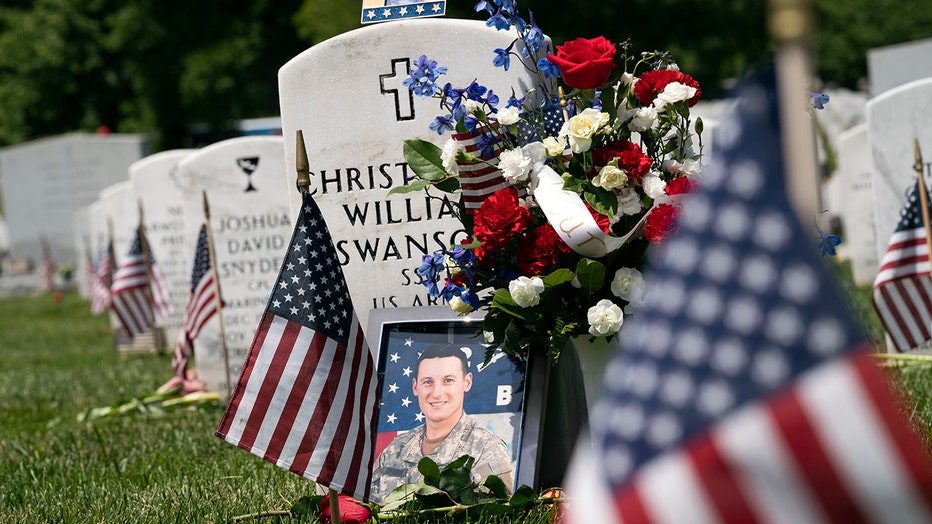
point(499, 219)
point(681, 185)
point(661, 223)
point(630, 158)
point(601, 220)
point(585, 63)
point(540, 249)
point(651, 83)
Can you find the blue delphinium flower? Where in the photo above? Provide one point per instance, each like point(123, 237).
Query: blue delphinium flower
point(463, 257)
point(533, 39)
point(818, 100)
point(422, 79)
point(470, 298)
point(487, 146)
point(548, 68)
point(499, 21)
point(827, 242)
point(429, 271)
point(503, 57)
point(442, 124)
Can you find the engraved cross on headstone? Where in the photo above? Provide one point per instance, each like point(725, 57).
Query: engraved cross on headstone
point(396, 78)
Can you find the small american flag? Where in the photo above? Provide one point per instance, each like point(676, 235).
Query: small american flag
point(742, 392)
point(305, 399)
point(480, 179)
point(133, 296)
point(202, 304)
point(903, 287)
point(102, 281)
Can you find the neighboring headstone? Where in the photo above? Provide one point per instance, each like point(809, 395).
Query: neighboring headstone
point(154, 185)
point(895, 65)
point(252, 224)
point(856, 200)
point(45, 181)
point(347, 97)
point(896, 119)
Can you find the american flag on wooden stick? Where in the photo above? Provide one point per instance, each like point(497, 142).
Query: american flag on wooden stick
point(102, 281)
point(47, 270)
point(902, 291)
point(742, 391)
point(479, 179)
point(202, 304)
point(136, 301)
point(305, 399)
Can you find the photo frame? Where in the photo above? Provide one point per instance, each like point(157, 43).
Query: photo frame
point(498, 399)
point(385, 10)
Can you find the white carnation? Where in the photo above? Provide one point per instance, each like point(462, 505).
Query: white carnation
point(628, 285)
point(673, 92)
point(688, 167)
point(508, 116)
point(644, 118)
point(526, 291)
point(472, 106)
point(605, 318)
point(629, 203)
point(627, 79)
point(448, 156)
point(653, 185)
point(514, 165)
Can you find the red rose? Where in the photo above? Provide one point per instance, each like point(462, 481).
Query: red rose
point(540, 249)
point(651, 83)
point(585, 63)
point(681, 185)
point(499, 219)
point(630, 158)
point(661, 223)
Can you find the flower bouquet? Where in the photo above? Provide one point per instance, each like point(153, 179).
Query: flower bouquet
point(561, 188)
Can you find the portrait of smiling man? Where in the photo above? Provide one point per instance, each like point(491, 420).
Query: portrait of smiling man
point(440, 384)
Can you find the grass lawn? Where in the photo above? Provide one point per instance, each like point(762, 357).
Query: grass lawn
point(57, 361)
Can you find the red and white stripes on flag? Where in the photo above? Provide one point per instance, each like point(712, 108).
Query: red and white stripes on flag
point(101, 282)
point(902, 291)
point(133, 296)
point(47, 271)
point(480, 179)
point(202, 304)
point(305, 399)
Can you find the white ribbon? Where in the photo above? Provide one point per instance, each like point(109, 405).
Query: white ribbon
point(569, 216)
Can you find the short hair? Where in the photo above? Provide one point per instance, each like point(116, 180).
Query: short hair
point(442, 351)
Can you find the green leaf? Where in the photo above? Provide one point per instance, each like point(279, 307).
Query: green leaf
point(456, 479)
point(480, 512)
point(306, 506)
point(524, 498)
point(430, 470)
point(571, 183)
point(415, 185)
point(496, 486)
point(502, 300)
point(558, 277)
point(401, 496)
point(423, 158)
point(602, 200)
point(448, 185)
point(591, 275)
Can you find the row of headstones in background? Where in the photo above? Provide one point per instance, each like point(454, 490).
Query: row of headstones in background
point(44, 182)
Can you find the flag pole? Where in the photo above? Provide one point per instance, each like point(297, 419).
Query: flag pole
point(144, 248)
point(302, 166)
point(216, 276)
point(923, 199)
point(790, 24)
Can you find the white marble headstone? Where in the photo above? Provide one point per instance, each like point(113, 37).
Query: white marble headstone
point(895, 120)
point(855, 174)
point(163, 214)
point(347, 97)
point(251, 222)
point(81, 225)
point(45, 181)
point(898, 64)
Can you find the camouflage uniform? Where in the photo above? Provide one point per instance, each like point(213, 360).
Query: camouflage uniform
point(397, 464)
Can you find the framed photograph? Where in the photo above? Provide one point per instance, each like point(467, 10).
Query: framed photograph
point(495, 399)
point(385, 10)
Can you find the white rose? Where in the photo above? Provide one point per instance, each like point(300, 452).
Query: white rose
point(610, 177)
point(644, 118)
point(472, 106)
point(582, 127)
point(605, 318)
point(628, 285)
point(526, 291)
point(629, 203)
point(554, 147)
point(673, 92)
point(653, 185)
point(514, 165)
point(448, 156)
point(460, 306)
point(508, 116)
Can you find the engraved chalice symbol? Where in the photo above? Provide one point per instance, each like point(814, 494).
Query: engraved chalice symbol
point(248, 165)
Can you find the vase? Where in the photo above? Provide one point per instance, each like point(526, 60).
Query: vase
point(594, 357)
